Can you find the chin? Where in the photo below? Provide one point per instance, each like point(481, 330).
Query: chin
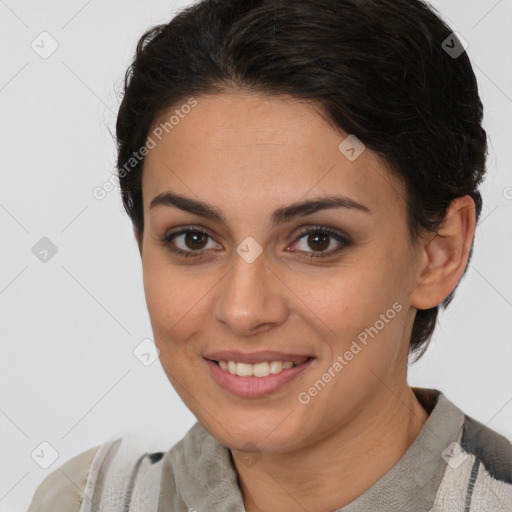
point(247, 434)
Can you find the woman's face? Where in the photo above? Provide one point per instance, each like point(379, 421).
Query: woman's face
point(255, 282)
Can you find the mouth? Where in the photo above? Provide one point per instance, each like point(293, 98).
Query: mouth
point(261, 369)
point(259, 379)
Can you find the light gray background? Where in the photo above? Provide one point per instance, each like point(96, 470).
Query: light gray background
point(68, 375)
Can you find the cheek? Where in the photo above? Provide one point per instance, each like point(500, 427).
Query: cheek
point(177, 300)
point(342, 298)
point(361, 303)
point(168, 296)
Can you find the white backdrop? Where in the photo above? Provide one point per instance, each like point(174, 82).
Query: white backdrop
point(69, 325)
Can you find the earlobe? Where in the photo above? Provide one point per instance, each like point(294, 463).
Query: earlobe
point(445, 255)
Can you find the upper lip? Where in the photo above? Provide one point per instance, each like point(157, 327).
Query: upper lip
point(254, 357)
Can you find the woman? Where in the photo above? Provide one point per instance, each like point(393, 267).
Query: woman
point(302, 178)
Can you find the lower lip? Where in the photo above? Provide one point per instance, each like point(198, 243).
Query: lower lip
point(254, 387)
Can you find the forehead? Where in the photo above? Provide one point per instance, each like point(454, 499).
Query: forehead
point(247, 149)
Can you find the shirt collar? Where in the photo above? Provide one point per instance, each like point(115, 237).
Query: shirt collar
point(205, 477)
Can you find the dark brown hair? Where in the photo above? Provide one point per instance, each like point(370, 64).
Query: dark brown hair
point(389, 71)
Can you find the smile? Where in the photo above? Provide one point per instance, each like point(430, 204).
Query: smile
point(263, 369)
point(259, 379)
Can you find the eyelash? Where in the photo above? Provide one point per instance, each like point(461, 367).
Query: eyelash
point(167, 239)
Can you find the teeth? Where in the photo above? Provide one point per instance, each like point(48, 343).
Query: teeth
point(263, 369)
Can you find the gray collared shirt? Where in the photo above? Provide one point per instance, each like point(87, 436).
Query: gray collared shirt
point(454, 464)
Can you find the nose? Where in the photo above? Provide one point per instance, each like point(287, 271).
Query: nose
point(251, 298)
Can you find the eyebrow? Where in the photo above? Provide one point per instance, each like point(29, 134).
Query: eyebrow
point(279, 216)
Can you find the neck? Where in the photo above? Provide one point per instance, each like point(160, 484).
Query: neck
point(336, 470)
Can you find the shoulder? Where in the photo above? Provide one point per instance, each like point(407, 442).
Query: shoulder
point(63, 489)
point(114, 475)
point(478, 471)
point(491, 449)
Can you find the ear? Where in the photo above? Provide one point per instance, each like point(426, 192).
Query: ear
point(444, 257)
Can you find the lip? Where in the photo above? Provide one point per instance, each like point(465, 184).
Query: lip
point(254, 357)
point(255, 387)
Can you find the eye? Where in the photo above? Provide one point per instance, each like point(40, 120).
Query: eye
point(319, 238)
point(194, 242)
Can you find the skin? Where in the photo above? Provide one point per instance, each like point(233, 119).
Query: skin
point(247, 154)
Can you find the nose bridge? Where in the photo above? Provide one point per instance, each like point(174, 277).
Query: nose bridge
point(248, 296)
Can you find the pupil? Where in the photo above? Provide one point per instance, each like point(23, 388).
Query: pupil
point(193, 237)
point(323, 245)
